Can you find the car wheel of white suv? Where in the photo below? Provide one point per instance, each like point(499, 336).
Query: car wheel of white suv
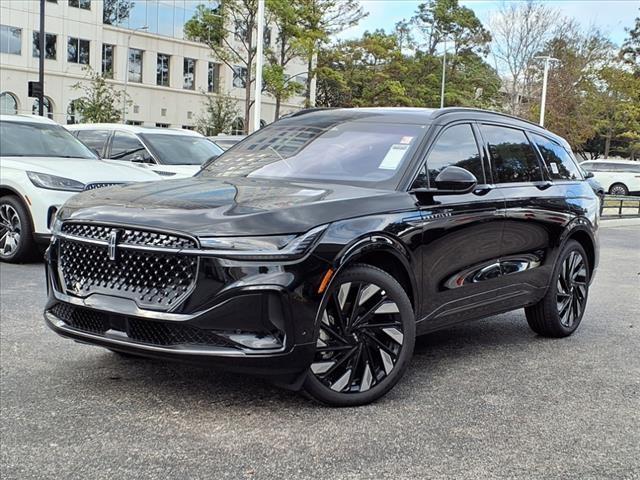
point(16, 232)
point(619, 189)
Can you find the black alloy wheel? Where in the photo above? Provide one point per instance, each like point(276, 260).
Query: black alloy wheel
point(366, 336)
point(561, 310)
point(619, 189)
point(16, 234)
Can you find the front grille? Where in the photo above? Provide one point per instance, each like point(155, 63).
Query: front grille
point(154, 280)
point(150, 332)
point(95, 185)
point(128, 236)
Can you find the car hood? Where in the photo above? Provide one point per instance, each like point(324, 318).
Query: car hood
point(206, 206)
point(81, 169)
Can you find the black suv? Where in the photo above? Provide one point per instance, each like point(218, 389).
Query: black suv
point(315, 250)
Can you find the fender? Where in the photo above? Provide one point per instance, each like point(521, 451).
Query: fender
point(22, 198)
point(360, 247)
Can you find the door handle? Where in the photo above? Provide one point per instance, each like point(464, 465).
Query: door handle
point(483, 189)
point(543, 185)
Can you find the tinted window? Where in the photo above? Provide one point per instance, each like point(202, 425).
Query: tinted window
point(559, 164)
point(94, 138)
point(321, 149)
point(456, 146)
point(125, 146)
point(512, 156)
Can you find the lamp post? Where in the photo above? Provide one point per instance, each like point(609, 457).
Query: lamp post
point(444, 67)
point(126, 73)
point(257, 111)
point(545, 76)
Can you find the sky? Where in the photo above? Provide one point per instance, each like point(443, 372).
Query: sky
point(611, 16)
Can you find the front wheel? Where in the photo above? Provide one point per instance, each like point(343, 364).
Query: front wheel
point(619, 189)
point(365, 338)
point(16, 233)
point(560, 312)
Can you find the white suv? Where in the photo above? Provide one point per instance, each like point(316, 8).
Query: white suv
point(172, 153)
point(618, 177)
point(41, 166)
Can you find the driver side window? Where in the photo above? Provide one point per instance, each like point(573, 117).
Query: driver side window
point(125, 146)
point(455, 146)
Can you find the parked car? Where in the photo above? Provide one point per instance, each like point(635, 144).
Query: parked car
point(225, 142)
point(42, 166)
point(316, 250)
point(618, 177)
point(167, 152)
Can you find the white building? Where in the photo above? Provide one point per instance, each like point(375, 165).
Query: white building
point(167, 74)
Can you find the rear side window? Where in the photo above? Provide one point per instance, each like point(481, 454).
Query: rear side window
point(125, 146)
point(93, 138)
point(559, 164)
point(455, 146)
point(512, 156)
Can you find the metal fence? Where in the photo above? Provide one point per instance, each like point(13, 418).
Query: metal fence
point(621, 206)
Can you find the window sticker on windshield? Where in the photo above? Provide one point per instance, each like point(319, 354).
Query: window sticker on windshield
point(393, 157)
point(554, 167)
point(406, 140)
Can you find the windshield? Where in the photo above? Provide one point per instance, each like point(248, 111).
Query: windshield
point(181, 149)
point(352, 152)
point(23, 139)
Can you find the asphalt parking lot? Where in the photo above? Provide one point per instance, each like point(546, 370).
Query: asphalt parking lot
point(488, 399)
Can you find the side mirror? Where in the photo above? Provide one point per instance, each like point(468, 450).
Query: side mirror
point(588, 174)
point(140, 159)
point(450, 181)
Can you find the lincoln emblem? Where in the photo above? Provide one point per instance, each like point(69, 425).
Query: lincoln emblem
point(113, 242)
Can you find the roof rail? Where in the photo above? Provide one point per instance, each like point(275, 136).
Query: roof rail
point(304, 111)
point(446, 110)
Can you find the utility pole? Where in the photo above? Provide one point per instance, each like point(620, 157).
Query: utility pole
point(444, 70)
point(259, 47)
point(41, 42)
point(545, 76)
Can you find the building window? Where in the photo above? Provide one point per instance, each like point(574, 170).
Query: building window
point(162, 70)
point(188, 127)
point(134, 69)
point(213, 77)
point(8, 103)
point(48, 107)
point(50, 41)
point(237, 127)
point(73, 116)
point(162, 125)
point(240, 30)
point(85, 4)
point(267, 36)
point(78, 51)
point(189, 73)
point(239, 77)
point(107, 60)
point(10, 40)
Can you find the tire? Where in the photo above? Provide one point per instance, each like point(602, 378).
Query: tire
point(356, 361)
point(16, 231)
point(560, 311)
point(618, 189)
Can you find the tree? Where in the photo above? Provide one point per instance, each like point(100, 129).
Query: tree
point(520, 32)
point(630, 52)
point(320, 19)
point(283, 14)
point(101, 102)
point(236, 48)
point(219, 113)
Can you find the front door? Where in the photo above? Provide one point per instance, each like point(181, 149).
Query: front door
point(461, 233)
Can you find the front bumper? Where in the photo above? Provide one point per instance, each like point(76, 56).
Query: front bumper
point(263, 329)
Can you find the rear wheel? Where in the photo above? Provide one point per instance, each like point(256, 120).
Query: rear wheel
point(16, 233)
point(618, 189)
point(365, 340)
point(560, 312)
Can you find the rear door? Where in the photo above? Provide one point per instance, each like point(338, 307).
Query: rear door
point(461, 233)
point(538, 209)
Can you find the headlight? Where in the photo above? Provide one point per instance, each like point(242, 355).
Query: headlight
point(269, 247)
point(51, 182)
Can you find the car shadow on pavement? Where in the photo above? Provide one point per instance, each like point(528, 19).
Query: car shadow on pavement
point(435, 354)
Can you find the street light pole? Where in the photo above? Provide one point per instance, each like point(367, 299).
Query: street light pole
point(259, 47)
point(444, 69)
point(41, 42)
point(545, 76)
point(126, 73)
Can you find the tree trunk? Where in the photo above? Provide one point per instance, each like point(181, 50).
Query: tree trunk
point(307, 102)
point(607, 144)
point(277, 114)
